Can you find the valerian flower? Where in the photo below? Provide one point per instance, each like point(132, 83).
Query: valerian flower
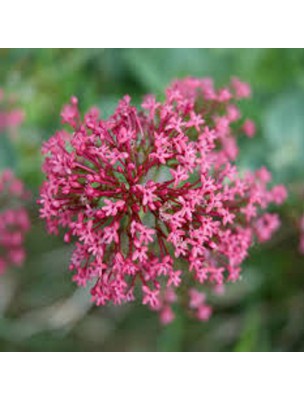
point(14, 220)
point(153, 197)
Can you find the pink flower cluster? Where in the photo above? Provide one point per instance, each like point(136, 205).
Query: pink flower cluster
point(153, 197)
point(9, 117)
point(14, 220)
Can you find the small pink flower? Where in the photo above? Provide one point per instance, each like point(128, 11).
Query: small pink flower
point(14, 220)
point(179, 175)
point(233, 112)
point(166, 315)
point(278, 194)
point(112, 208)
point(140, 254)
point(266, 225)
point(70, 114)
point(242, 89)
point(196, 298)
point(150, 297)
point(249, 128)
point(148, 192)
point(204, 312)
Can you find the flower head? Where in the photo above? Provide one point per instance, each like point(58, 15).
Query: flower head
point(153, 198)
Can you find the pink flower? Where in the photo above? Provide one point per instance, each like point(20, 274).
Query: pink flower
point(166, 315)
point(150, 297)
point(265, 226)
point(242, 89)
point(203, 312)
point(179, 175)
point(278, 194)
point(153, 197)
point(197, 303)
point(14, 220)
point(109, 234)
point(233, 112)
point(196, 298)
point(112, 208)
point(249, 128)
point(148, 194)
point(70, 114)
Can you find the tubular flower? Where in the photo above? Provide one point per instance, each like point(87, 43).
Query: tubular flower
point(14, 220)
point(152, 196)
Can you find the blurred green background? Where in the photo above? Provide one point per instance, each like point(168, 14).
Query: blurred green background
point(42, 310)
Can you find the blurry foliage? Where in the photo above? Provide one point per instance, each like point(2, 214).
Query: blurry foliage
point(40, 309)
